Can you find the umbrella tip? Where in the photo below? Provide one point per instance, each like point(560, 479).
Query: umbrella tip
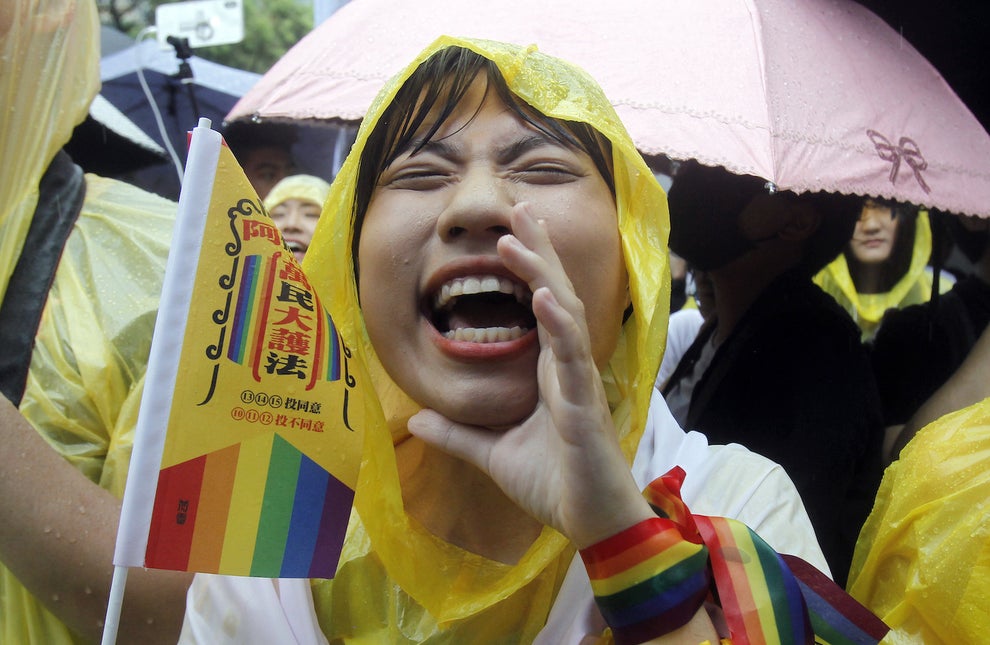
point(771, 187)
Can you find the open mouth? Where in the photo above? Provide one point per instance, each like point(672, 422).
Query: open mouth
point(482, 309)
point(295, 246)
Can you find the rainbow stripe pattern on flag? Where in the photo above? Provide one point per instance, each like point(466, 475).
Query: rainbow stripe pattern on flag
point(252, 420)
point(225, 518)
point(263, 322)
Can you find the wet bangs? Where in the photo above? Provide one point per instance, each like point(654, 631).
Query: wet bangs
point(432, 93)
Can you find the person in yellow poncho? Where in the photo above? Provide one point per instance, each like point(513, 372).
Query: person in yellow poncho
point(294, 204)
point(507, 242)
point(922, 562)
point(81, 266)
point(884, 266)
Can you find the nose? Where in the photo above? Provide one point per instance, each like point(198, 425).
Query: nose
point(479, 206)
point(292, 221)
point(870, 217)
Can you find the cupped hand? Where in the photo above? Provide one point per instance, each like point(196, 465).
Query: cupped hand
point(562, 464)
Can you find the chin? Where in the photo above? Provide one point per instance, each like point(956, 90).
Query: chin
point(495, 411)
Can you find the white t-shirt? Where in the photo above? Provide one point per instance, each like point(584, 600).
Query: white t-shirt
point(727, 481)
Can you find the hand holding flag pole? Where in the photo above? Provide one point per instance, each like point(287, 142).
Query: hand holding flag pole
point(247, 464)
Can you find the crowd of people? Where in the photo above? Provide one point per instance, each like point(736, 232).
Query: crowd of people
point(499, 245)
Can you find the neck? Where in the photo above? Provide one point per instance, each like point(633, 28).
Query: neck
point(868, 278)
point(738, 284)
point(459, 504)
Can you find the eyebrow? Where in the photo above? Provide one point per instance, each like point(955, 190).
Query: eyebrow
point(503, 154)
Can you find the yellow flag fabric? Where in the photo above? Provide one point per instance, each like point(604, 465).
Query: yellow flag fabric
point(415, 583)
point(263, 427)
point(922, 562)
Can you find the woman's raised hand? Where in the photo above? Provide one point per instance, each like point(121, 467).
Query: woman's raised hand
point(562, 464)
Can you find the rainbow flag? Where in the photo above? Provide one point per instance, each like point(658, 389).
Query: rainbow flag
point(249, 421)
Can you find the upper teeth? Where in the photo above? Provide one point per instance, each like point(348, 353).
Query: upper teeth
point(480, 284)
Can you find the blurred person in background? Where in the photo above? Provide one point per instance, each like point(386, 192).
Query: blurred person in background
point(779, 367)
point(295, 204)
point(885, 264)
point(264, 152)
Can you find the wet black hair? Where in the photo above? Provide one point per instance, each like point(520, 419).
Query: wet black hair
point(839, 214)
point(435, 88)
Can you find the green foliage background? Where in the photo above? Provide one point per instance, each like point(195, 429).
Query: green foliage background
point(271, 27)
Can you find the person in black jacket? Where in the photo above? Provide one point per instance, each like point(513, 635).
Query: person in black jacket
point(781, 369)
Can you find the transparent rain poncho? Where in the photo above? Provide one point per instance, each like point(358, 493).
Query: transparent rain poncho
point(88, 363)
point(398, 583)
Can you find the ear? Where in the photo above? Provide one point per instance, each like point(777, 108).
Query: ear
point(802, 222)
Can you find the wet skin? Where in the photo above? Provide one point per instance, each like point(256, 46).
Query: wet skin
point(436, 218)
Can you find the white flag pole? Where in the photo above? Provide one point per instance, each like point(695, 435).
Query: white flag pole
point(163, 365)
point(112, 620)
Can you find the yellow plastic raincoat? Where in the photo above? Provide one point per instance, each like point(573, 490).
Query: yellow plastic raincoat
point(305, 187)
point(417, 588)
point(867, 309)
point(922, 563)
point(88, 363)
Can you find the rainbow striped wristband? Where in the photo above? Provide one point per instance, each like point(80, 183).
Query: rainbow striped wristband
point(651, 579)
point(647, 580)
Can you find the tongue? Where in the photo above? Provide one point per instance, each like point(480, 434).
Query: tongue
point(489, 311)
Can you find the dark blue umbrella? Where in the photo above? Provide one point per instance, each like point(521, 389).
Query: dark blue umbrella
point(208, 90)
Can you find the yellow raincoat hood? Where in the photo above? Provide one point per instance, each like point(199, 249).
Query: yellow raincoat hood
point(867, 309)
point(385, 545)
point(305, 187)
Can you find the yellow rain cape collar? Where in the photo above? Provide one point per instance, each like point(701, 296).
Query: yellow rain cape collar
point(868, 309)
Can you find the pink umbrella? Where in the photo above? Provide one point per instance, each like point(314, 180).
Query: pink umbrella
point(808, 94)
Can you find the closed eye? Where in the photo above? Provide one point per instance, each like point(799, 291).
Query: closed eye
point(416, 178)
point(547, 173)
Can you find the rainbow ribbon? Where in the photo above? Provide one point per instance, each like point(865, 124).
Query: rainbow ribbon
point(653, 577)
